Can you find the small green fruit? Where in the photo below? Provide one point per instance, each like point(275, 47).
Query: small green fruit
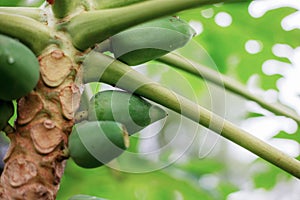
point(6, 112)
point(92, 144)
point(151, 40)
point(123, 107)
point(19, 69)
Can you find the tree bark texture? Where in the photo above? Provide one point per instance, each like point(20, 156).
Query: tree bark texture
point(36, 157)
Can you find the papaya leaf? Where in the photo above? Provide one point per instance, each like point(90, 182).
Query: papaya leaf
point(199, 167)
point(294, 136)
point(226, 42)
point(269, 177)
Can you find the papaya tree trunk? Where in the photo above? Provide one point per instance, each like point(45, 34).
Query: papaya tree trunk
point(36, 157)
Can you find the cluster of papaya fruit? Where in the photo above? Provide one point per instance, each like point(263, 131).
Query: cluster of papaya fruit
point(112, 115)
point(116, 114)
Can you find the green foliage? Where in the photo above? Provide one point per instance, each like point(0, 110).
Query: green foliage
point(226, 188)
point(269, 177)
point(200, 167)
point(10, 2)
point(110, 184)
point(294, 136)
point(226, 45)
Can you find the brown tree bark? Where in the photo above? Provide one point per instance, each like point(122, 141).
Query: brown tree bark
point(36, 157)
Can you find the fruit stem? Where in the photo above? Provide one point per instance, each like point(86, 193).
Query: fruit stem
point(113, 72)
point(63, 8)
point(104, 4)
point(228, 83)
point(29, 31)
point(34, 13)
point(99, 25)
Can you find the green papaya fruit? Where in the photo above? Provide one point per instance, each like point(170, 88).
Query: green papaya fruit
point(19, 69)
point(92, 144)
point(84, 197)
point(151, 40)
point(6, 112)
point(123, 107)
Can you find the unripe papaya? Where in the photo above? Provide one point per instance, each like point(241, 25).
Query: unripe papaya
point(123, 107)
point(19, 69)
point(6, 112)
point(92, 144)
point(151, 40)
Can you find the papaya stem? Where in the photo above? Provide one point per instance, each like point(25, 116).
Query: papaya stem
point(228, 83)
point(34, 13)
point(62, 8)
point(101, 24)
point(104, 4)
point(32, 33)
point(113, 72)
